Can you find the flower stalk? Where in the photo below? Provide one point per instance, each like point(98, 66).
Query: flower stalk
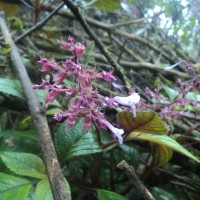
point(87, 102)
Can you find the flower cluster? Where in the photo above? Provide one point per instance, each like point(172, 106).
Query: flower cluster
point(87, 102)
point(177, 106)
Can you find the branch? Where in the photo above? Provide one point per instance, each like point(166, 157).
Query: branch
point(119, 70)
point(130, 172)
point(53, 169)
point(130, 36)
point(40, 24)
point(142, 65)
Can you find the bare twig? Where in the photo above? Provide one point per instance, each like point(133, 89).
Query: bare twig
point(40, 24)
point(129, 22)
point(130, 172)
point(52, 165)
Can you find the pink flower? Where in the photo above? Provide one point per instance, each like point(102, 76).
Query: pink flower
point(69, 44)
point(41, 86)
point(51, 96)
point(79, 49)
point(87, 102)
point(58, 78)
point(87, 123)
point(106, 75)
point(46, 65)
point(71, 121)
point(58, 116)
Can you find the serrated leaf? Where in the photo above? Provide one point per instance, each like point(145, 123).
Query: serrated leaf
point(108, 195)
point(24, 164)
point(43, 190)
point(87, 144)
point(162, 140)
point(12, 187)
point(74, 141)
point(12, 87)
point(147, 122)
point(30, 134)
point(161, 154)
point(65, 137)
point(31, 194)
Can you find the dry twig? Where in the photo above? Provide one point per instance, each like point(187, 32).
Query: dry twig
point(52, 165)
point(130, 172)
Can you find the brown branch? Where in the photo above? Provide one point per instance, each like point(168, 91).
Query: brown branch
point(52, 165)
point(130, 52)
point(130, 172)
point(40, 24)
point(143, 65)
point(130, 36)
point(37, 11)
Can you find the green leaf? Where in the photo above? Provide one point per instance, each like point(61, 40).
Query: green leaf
point(31, 194)
point(53, 111)
point(147, 122)
point(29, 134)
point(87, 144)
point(105, 6)
point(12, 87)
point(161, 154)
point(25, 123)
point(43, 190)
point(12, 187)
point(74, 141)
point(161, 194)
point(193, 96)
point(163, 140)
point(170, 92)
point(108, 195)
point(24, 164)
point(89, 49)
point(65, 137)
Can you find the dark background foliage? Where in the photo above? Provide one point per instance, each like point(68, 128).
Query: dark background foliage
point(142, 38)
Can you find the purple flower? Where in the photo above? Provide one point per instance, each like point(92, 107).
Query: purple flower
point(41, 86)
point(79, 49)
point(46, 65)
point(51, 96)
point(87, 102)
point(58, 78)
point(106, 75)
point(116, 131)
point(87, 123)
point(58, 116)
point(71, 121)
point(129, 101)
